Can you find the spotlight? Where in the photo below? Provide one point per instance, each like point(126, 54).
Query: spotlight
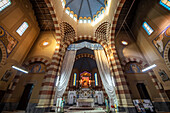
point(148, 68)
point(45, 43)
point(125, 43)
point(19, 69)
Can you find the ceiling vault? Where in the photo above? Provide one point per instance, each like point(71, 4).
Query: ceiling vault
point(80, 8)
point(90, 9)
point(101, 3)
point(69, 3)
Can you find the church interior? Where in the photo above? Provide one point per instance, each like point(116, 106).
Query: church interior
point(80, 56)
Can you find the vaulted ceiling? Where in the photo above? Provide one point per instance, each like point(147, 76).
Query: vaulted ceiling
point(127, 15)
point(84, 8)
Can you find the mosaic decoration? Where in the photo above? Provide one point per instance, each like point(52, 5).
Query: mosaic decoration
point(8, 41)
point(162, 40)
point(37, 68)
point(133, 68)
point(6, 76)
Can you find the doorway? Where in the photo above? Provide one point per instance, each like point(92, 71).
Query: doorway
point(25, 97)
point(142, 91)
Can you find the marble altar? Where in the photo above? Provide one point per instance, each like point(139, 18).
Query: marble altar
point(85, 102)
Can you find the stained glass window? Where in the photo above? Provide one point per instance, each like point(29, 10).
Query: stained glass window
point(96, 79)
point(165, 3)
point(4, 4)
point(22, 28)
point(74, 79)
point(147, 28)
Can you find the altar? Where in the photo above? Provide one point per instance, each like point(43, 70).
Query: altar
point(85, 102)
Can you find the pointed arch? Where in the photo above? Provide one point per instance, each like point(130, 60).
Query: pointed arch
point(166, 55)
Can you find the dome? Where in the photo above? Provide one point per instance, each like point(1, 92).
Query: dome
point(86, 9)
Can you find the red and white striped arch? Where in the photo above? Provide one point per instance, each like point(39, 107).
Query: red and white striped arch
point(166, 55)
point(4, 54)
point(115, 67)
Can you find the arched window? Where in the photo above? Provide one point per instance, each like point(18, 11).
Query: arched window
point(74, 79)
point(96, 79)
point(4, 4)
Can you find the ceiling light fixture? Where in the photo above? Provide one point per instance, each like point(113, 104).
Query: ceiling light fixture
point(148, 68)
point(45, 43)
point(19, 69)
point(124, 43)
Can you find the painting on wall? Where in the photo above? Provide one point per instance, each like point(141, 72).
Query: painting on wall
point(8, 41)
point(133, 67)
point(6, 76)
point(162, 40)
point(163, 75)
point(37, 68)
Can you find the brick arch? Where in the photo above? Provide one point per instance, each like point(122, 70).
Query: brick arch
point(38, 59)
point(47, 96)
point(136, 59)
point(4, 54)
point(154, 79)
point(115, 19)
point(85, 55)
point(122, 91)
point(167, 47)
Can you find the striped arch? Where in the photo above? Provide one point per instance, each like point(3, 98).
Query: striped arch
point(53, 15)
point(4, 54)
point(48, 91)
point(85, 55)
point(38, 59)
point(166, 55)
point(131, 59)
point(115, 19)
point(154, 79)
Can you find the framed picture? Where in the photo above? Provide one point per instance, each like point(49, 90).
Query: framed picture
point(6, 76)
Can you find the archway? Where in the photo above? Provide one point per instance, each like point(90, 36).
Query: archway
point(85, 82)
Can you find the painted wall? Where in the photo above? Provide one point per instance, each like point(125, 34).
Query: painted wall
point(10, 20)
point(158, 18)
point(133, 79)
point(38, 50)
point(131, 50)
point(35, 79)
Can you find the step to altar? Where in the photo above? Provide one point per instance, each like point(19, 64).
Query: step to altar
point(85, 111)
point(80, 108)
